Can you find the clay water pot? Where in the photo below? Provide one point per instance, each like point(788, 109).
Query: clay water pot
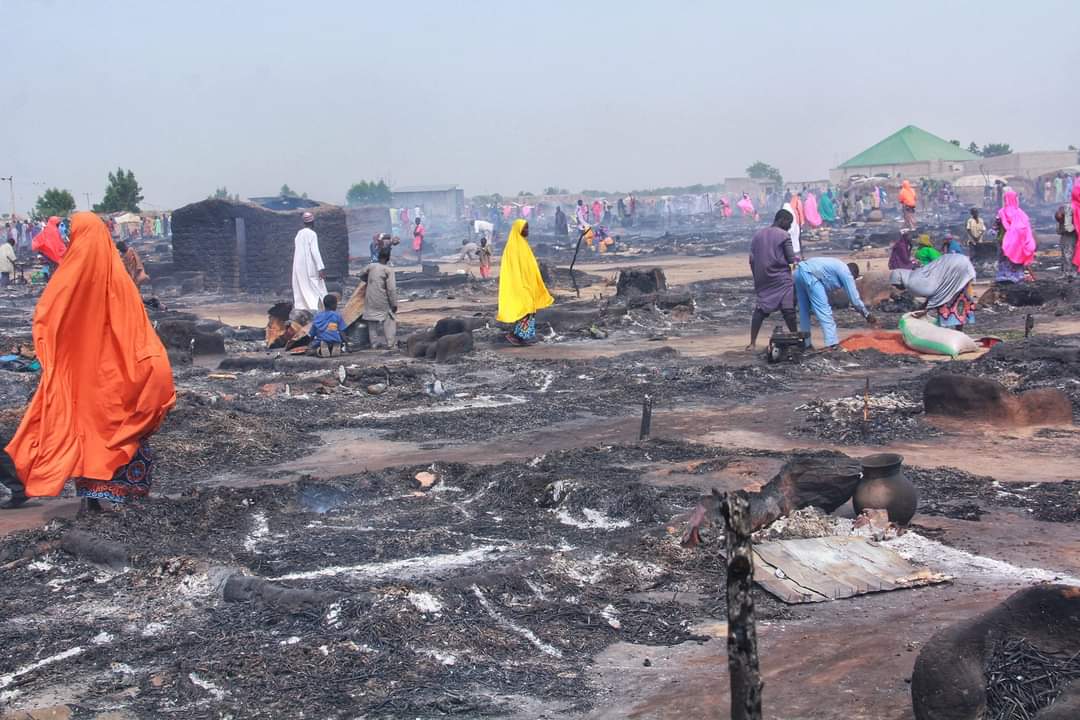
point(884, 487)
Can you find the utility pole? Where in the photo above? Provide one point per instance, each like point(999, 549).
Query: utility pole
point(88, 205)
point(11, 187)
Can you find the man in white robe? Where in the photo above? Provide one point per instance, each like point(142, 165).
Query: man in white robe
point(794, 231)
point(308, 271)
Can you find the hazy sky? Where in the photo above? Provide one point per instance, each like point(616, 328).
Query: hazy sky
point(506, 96)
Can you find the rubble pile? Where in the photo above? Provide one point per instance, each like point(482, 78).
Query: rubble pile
point(893, 415)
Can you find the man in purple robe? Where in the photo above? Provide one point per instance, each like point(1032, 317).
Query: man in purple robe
point(771, 258)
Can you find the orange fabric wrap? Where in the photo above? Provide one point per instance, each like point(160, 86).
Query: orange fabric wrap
point(106, 381)
point(907, 195)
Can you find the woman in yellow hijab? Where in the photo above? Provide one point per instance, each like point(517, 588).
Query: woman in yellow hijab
point(521, 289)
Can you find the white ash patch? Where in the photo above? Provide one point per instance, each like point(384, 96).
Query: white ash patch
point(611, 614)
point(480, 402)
point(153, 629)
point(549, 377)
point(407, 567)
point(968, 566)
point(40, 566)
point(14, 675)
point(195, 585)
point(260, 530)
point(602, 567)
point(215, 692)
point(537, 590)
point(424, 602)
point(102, 638)
point(514, 627)
point(593, 520)
point(443, 657)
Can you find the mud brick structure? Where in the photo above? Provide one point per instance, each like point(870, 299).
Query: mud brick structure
point(241, 247)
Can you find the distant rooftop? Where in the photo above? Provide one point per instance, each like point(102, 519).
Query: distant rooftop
point(285, 202)
point(425, 188)
point(908, 145)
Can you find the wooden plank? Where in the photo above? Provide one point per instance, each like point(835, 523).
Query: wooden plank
point(817, 569)
point(355, 306)
point(782, 586)
point(796, 578)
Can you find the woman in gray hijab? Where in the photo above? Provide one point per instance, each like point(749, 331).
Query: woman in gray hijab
point(946, 285)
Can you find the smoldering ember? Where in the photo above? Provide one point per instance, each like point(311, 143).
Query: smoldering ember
point(760, 449)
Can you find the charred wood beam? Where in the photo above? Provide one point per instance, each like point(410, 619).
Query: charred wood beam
point(742, 635)
point(646, 419)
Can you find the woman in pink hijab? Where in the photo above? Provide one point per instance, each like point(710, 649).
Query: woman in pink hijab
point(746, 204)
point(1018, 244)
point(810, 210)
point(725, 207)
point(1076, 222)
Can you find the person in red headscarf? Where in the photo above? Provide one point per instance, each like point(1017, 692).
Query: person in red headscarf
point(106, 383)
point(49, 243)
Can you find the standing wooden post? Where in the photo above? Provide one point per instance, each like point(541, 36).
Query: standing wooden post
point(646, 419)
point(742, 635)
point(866, 403)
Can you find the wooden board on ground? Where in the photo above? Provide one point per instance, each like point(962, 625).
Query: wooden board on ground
point(830, 568)
point(355, 306)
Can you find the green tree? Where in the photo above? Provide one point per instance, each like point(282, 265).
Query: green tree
point(55, 201)
point(996, 149)
point(554, 190)
point(287, 191)
point(974, 148)
point(368, 193)
point(955, 142)
point(222, 193)
point(122, 194)
point(761, 171)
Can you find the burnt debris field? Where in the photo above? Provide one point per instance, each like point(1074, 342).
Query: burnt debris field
point(496, 535)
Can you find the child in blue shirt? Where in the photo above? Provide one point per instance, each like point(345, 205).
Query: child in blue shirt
point(327, 327)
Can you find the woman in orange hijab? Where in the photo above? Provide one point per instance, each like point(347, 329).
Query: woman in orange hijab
point(907, 200)
point(106, 383)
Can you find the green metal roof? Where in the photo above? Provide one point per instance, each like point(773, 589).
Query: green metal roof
point(909, 145)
